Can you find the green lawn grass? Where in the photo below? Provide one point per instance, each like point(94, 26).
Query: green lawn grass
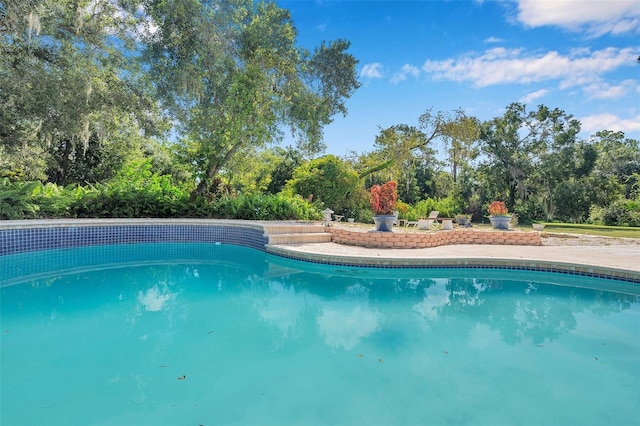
point(605, 231)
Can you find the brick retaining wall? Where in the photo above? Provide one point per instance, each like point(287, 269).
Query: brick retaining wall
point(432, 239)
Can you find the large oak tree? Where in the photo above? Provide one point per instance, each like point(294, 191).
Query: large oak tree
point(71, 88)
point(232, 77)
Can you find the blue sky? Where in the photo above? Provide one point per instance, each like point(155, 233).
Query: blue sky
point(579, 56)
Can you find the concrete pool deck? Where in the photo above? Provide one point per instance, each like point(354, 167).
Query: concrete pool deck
point(618, 260)
point(582, 254)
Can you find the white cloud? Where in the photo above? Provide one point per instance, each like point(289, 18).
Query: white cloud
point(595, 17)
point(343, 325)
point(530, 97)
point(594, 123)
point(373, 70)
point(502, 66)
point(404, 72)
point(493, 40)
point(145, 25)
point(435, 298)
point(410, 69)
point(603, 90)
point(155, 298)
point(284, 306)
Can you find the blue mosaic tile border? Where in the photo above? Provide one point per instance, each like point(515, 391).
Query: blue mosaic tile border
point(21, 240)
point(46, 264)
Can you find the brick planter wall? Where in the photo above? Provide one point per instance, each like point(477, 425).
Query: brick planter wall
point(432, 239)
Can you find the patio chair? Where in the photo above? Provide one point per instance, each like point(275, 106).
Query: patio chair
point(425, 223)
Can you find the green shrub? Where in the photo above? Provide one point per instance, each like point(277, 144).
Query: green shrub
point(622, 212)
point(135, 192)
point(142, 194)
point(403, 209)
point(264, 207)
point(365, 216)
point(529, 212)
point(17, 199)
point(447, 207)
point(330, 181)
point(54, 201)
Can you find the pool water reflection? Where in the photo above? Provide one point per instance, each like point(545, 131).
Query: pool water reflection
point(219, 334)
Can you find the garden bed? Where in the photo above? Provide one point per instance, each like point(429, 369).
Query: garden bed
point(412, 238)
point(547, 238)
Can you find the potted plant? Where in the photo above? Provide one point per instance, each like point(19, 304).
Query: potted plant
point(350, 214)
point(499, 215)
point(463, 220)
point(382, 199)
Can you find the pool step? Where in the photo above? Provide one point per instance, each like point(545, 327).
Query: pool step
point(296, 234)
point(307, 237)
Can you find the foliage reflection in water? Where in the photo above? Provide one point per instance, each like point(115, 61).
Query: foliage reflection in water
point(202, 334)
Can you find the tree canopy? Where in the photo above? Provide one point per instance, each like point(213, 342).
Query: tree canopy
point(68, 78)
point(232, 76)
point(227, 75)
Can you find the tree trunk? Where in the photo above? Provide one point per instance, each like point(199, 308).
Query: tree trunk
point(62, 168)
point(512, 194)
point(454, 166)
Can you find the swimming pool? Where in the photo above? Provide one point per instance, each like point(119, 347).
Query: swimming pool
point(202, 333)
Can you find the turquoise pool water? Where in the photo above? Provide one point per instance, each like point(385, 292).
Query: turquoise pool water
point(203, 334)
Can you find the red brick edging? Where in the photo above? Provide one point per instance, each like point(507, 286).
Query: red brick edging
point(432, 239)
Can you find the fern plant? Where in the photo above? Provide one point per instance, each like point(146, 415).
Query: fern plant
point(16, 199)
